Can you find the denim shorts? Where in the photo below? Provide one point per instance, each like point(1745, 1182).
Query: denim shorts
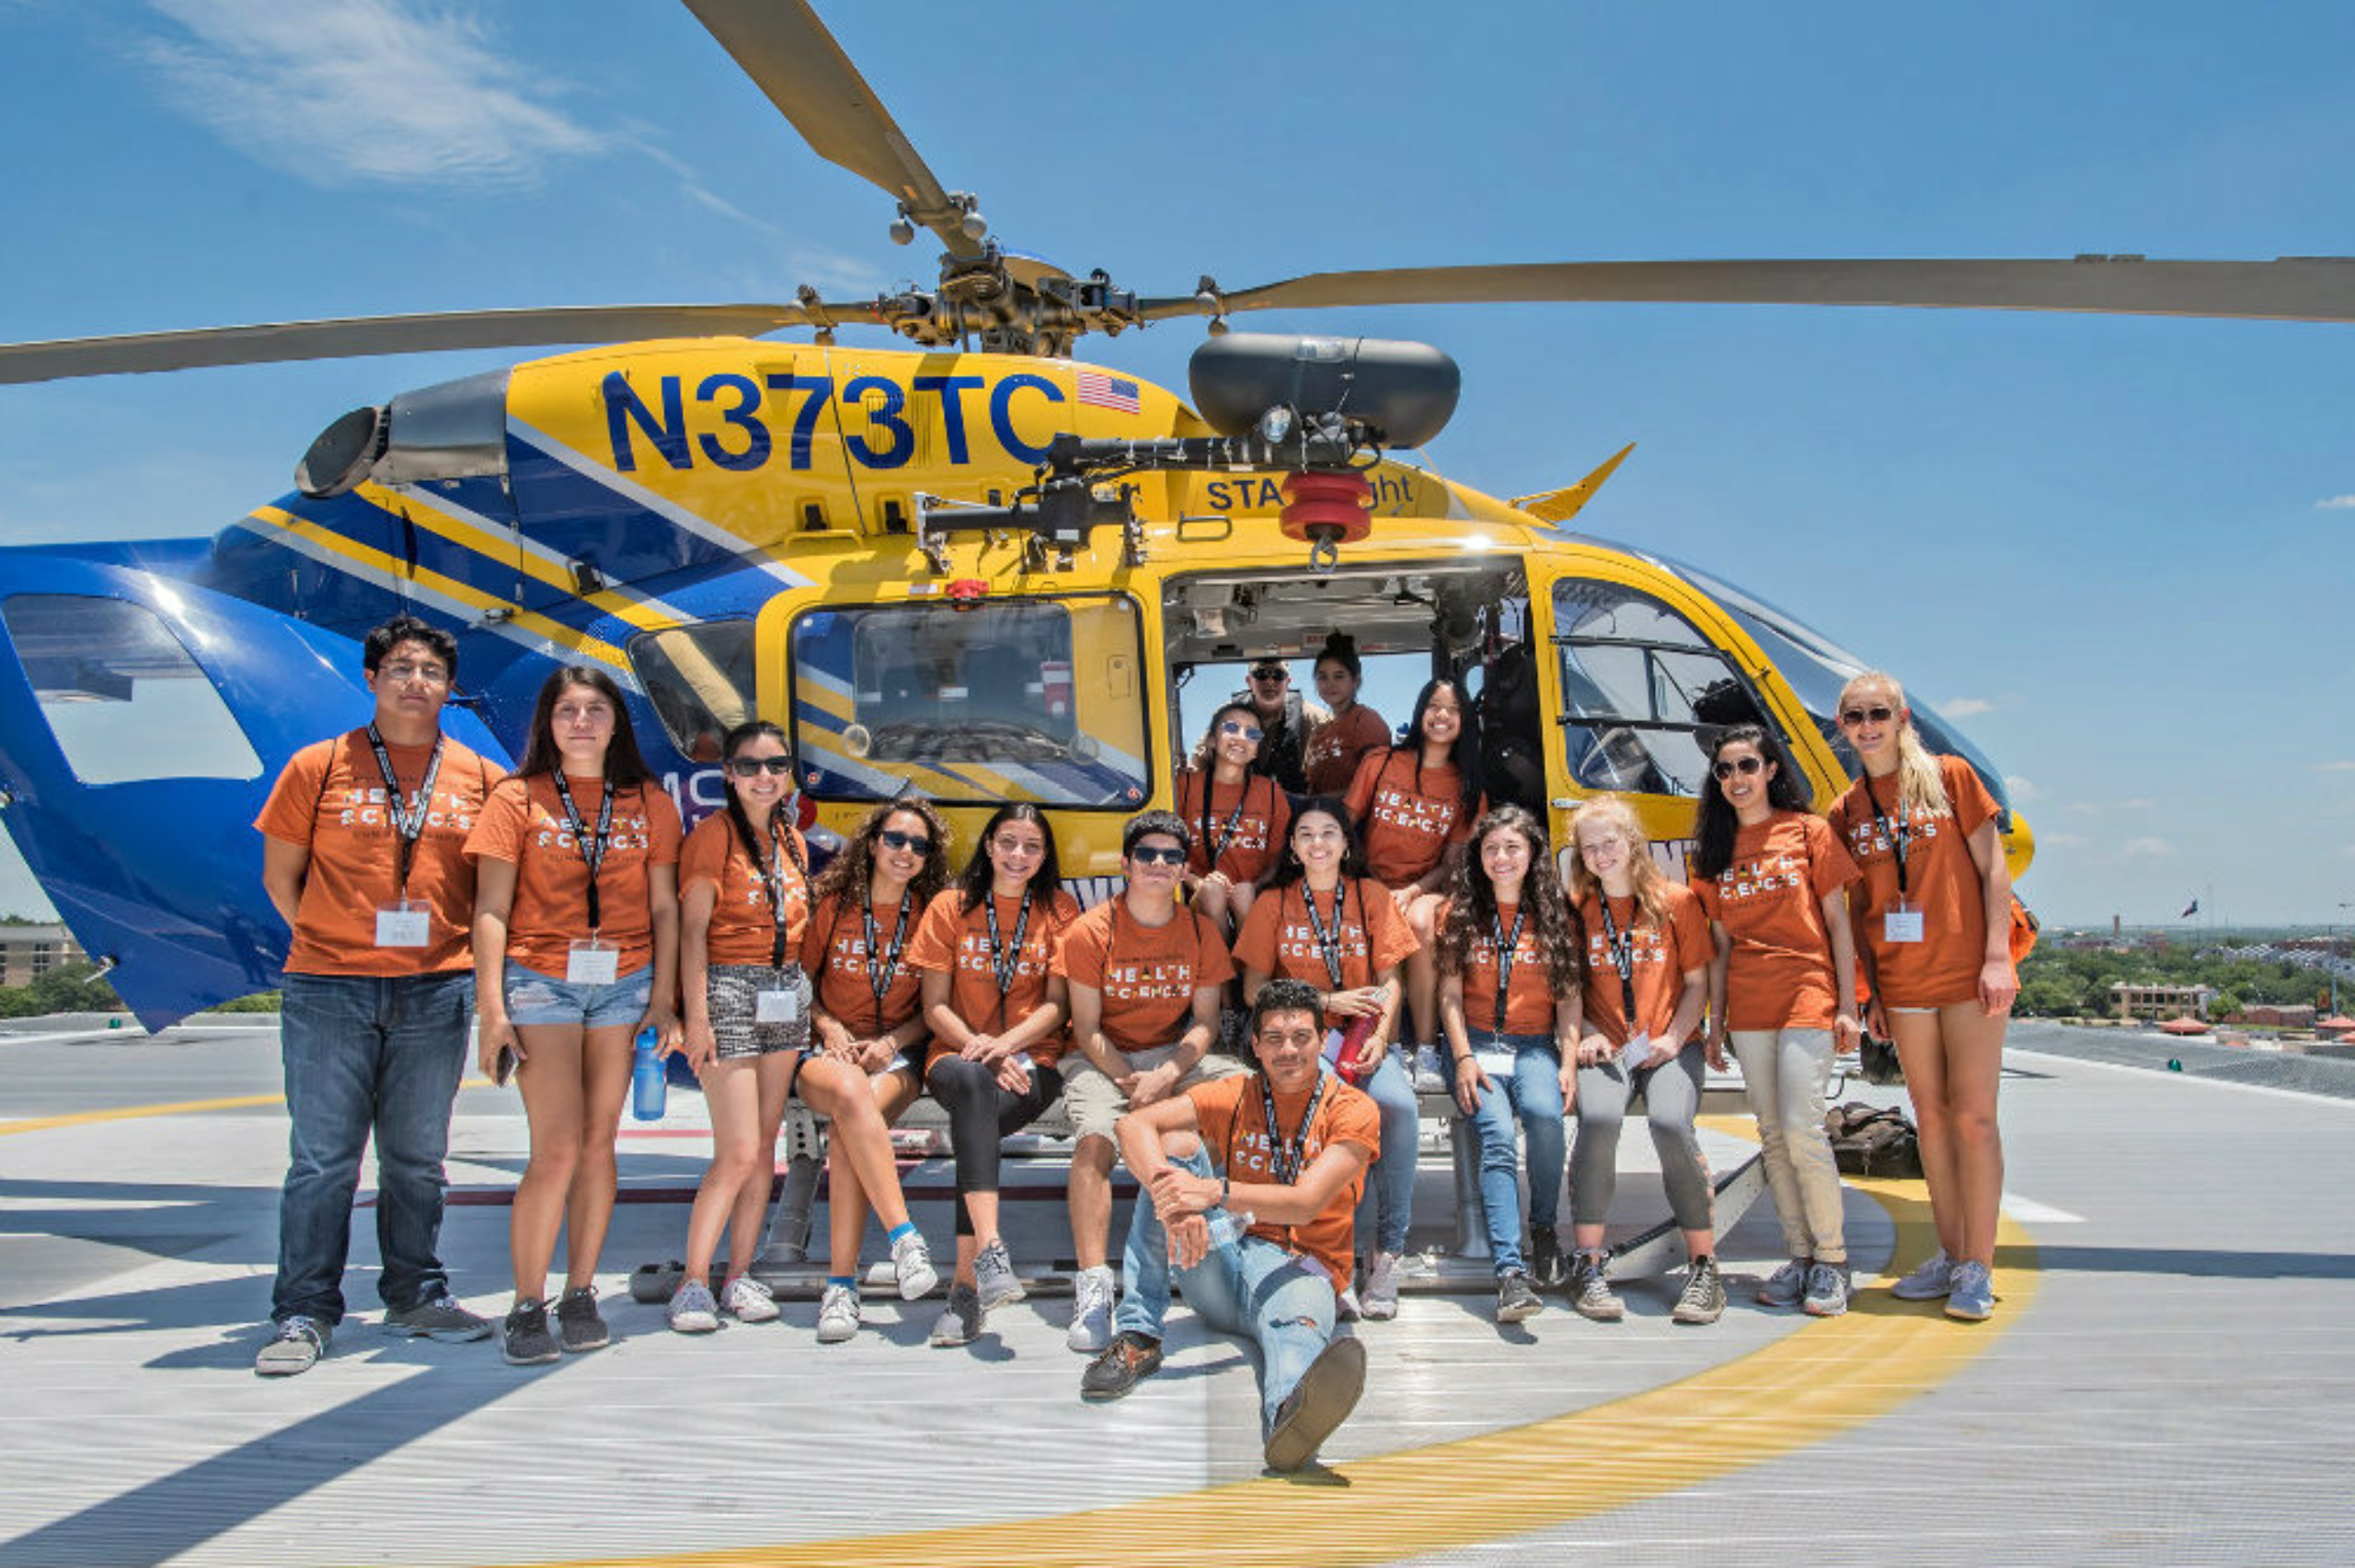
point(535, 998)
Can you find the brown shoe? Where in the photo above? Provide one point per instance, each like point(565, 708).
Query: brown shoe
point(1320, 1402)
point(1130, 1358)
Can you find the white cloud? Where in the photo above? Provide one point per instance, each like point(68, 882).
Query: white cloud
point(1966, 707)
point(2021, 789)
point(2336, 503)
point(2342, 767)
point(2148, 848)
point(342, 92)
point(2060, 841)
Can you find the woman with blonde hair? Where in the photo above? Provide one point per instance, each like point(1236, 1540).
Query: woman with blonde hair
point(1933, 920)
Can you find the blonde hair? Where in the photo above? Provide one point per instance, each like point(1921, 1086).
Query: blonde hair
point(1920, 786)
point(1651, 887)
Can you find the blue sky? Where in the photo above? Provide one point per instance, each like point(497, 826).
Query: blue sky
point(2117, 550)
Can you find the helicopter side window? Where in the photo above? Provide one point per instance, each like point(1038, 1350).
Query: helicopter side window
point(111, 679)
point(700, 680)
point(1643, 689)
point(1009, 699)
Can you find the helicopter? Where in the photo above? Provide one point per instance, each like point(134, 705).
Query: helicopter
point(974, 566)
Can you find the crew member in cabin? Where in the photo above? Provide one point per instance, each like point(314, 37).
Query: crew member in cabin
point(363, 839)
point(1336, 745)
point(1415, 803)
point(1146, 974)
point(871, 898)
point(1321, 920)
point(1934, 915)
point(576, 949)
point(1240, 817)
point(1286, 718)
point(1773, 878)
point(998, 1014)
point(1246, 1187)
point(1510, 970)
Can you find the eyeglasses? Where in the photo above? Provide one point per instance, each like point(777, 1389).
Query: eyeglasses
point(1277, 673)
point(1742, 765)
point(752, 767)
point(431, 674)
point(914, 843)
point(1237, 727)
point(1861, 715)
point(1144, 854)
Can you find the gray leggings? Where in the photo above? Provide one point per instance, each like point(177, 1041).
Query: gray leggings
point(1671, 1094)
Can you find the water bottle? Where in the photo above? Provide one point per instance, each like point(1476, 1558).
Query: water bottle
point(649, 1085)
point(1351, 1047)
point(1226, 1227)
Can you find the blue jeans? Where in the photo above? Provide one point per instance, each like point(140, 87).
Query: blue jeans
point(1532, 1096)
point(366, 1054)
point(1387, 1206)
point(1251, 1287)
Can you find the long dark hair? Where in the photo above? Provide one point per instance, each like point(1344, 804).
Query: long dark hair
point(1464, 754)
point(625, 766)
point(848, 874)
point(973, 883)
point(743, 735)
point(1472, 906)
point(1288, 870)
point(1715, 824)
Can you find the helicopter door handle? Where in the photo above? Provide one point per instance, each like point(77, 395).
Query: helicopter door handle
point(1564, 803)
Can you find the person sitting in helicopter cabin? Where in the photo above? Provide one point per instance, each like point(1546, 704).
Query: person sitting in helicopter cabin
point(1336, 745)
point(1285, 719)
point(1240, 817)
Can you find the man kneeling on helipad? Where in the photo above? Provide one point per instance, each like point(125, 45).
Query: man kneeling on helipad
point(1249, 1186)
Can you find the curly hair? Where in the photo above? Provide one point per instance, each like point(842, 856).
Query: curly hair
point(848, 874)
point(1651, 886)
point(1471, 904)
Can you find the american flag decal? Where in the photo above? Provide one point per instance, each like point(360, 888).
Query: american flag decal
point(1097, 390)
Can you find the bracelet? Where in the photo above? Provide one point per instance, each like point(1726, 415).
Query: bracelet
point(1225, 1189)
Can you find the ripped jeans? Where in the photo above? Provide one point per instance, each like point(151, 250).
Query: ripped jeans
point(1251, 1287)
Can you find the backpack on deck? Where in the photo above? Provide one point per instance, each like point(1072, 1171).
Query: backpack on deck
point(1869, 1141)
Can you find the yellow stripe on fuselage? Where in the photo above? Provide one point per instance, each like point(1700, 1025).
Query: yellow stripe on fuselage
point(505, 552)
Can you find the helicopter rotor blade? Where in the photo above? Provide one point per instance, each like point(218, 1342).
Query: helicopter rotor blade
point(789, 55)
point(2298, 288)
point(275, 342)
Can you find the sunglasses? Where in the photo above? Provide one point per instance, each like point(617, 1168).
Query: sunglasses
point(914, 843)
point(1278, 673)
point(754, 767)
point(1147, 855)
point(1872, 714)
point(1742, 765)
point(1237, 727)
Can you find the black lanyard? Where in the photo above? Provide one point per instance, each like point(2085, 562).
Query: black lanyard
point(408, 822)
point(1225, 836)
point(1285, 1156)
point(592, 852)
point(1506, 948)
point(1328, 942)
point(772, 879)
point(1622, 957)
point(878, 980)
point(1005, 960)
point(1899, 836)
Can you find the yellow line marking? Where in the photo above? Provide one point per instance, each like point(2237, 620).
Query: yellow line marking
point(133, 1113)
point(1822, 1378)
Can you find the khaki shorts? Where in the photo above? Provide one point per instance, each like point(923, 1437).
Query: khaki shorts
point(1094, 1102)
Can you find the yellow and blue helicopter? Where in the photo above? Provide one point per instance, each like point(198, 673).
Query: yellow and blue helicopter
point(973, 566)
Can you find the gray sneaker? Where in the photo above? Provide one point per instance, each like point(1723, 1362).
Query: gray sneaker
point(691, 1309)
point(1430, 1077)
point(838, 1315)
point(579, 1324)
point(1785, 1285)
point(528, 1342)
point(1590, 1294)
point(1827, 1290)
point(1930, 1278)
point(748, 1300)
point(960, 1322)
point(1379, 1301)
point(296, 1345)
point(911, 1266)
point(1973, 1296)
point(1515, 1300)
point(994, 1277)
point(1091, 1312)
point(1704, 1301)
point(439, 1317)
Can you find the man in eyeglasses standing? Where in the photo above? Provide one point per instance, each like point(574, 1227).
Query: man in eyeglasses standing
point(1287, 717)
point(1146, 975)
point(362, 853)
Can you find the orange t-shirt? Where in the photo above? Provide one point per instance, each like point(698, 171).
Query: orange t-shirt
point(955, 941)
point(836, 953)
point(1146, 974)
point(523, 823)
point(1659, 960)
point(1771, 902)
point(330, 800)
point(1941, 881)
point(1233, 1122)
point(1529, 993)
point(1260, 815)
point(1406, 827)
point(1335, 747)
point(1278, 939)
point(743, 921)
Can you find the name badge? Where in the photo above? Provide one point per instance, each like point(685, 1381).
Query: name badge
point(1494, 1063)
point(404, 925)
point(1902, 924)
point(1637, 1048)
point(776, 1006)
point(592, 963)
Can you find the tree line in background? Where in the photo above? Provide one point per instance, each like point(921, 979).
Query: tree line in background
point(2058, 982)
point(79, 988)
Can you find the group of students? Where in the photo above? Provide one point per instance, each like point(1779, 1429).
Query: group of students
point(1399, 913)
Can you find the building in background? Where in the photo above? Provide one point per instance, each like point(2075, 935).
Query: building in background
point(28, 952)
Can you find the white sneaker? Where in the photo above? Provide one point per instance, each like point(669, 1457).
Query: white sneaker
point(691, 1309)
point(912, 1264)
point(838, 1315)
point(1429, 1077)
point(1346, 1307)
point(1379, 1301)
point(1091, 1313)
point(748, 1300)
point(1931, 1279)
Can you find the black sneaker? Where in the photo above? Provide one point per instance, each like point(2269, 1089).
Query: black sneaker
point(1591, 1293)
point(437, 1317)
point(528, 1340)
point(1704, 1301)
point(1548, 1270)
point(1515, 1300)
point(576, 1320)
point(960, 1320)
point(1320, 1402)
point(1129, 1359)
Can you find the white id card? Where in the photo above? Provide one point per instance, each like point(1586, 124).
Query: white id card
point(592, 963)
point(1637, 1050)
point(1902, 924)
point(1495, 1063)
point(776, 1006)
point(403, 925)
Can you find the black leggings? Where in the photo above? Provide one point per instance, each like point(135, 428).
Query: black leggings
point(980, 1113)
